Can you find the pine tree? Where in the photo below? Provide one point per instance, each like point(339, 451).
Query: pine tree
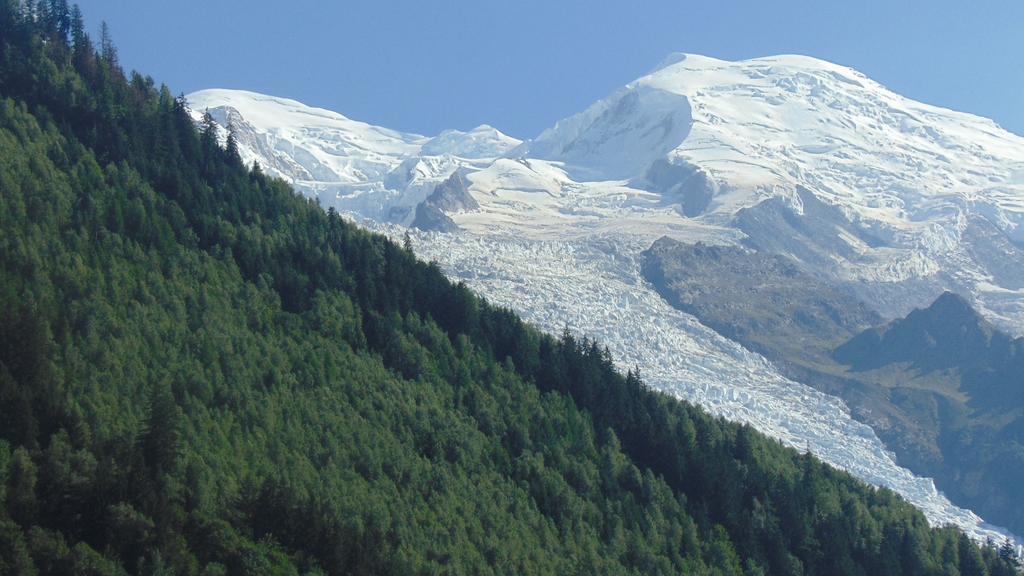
point(41, 13)
point(108, 52)
point(232, 145)
point(1008, 552)
point(21, 486)
point(81, 45)
point(159, 441)
point(208, 137)
point(77, 29)
point(407, 242)
point(10, 12)
point(61, 16)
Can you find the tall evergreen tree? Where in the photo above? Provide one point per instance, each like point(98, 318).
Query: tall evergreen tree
point(1008, 552)
point(77, 29)
point(231, 146)
point(161, 436)
point(108, 51)
point(61, 16)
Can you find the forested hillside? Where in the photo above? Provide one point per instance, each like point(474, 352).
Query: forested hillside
point(204, 373)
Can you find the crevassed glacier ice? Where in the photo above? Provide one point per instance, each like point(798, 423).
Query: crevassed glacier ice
point(594, 287)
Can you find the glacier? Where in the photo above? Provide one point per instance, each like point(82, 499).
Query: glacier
point(887, 198)
point(594, 288)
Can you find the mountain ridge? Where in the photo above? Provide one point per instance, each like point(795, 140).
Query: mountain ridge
point(962, 379)
point(947, 333)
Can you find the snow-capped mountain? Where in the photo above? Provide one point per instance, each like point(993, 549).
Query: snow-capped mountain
point(909, 197)
point(481, 142)
point(354, 166)
point(307, 144)
point(886, 198)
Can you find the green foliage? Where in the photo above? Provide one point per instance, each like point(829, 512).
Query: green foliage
point(203, 373)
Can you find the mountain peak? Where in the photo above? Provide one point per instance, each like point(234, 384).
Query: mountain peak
point(764, 123)
point(670, 60)
point(948, 333)
point(484, 141)
point(778, 65)
point(951, 317)
point(952, 305)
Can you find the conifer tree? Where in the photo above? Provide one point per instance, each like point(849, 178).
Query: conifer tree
point(108, 52)
point(77, 29)
point(232, 145)
point(1009, 553)
point(208, 145)
point(159, 441)
point(61, 16)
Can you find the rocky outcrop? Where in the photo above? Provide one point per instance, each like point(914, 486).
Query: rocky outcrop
point(451, 195)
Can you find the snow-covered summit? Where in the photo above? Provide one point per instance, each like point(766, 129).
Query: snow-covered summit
point(481, 142)
point(303, 143)
point(351, 165)
point(782, 121)
point(904, 193)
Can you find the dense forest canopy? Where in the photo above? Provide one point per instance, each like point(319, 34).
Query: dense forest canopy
point(203, 373)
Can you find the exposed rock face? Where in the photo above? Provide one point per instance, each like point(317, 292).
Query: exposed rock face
point(683, 182)
point(947, 336)
point(451, 195)
point(764, 301)
point(805, 228)
point(429, 217)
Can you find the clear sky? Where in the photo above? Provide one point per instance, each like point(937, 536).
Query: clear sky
point(422, 66)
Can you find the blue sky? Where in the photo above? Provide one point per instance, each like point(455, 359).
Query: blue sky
point(422, 66)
